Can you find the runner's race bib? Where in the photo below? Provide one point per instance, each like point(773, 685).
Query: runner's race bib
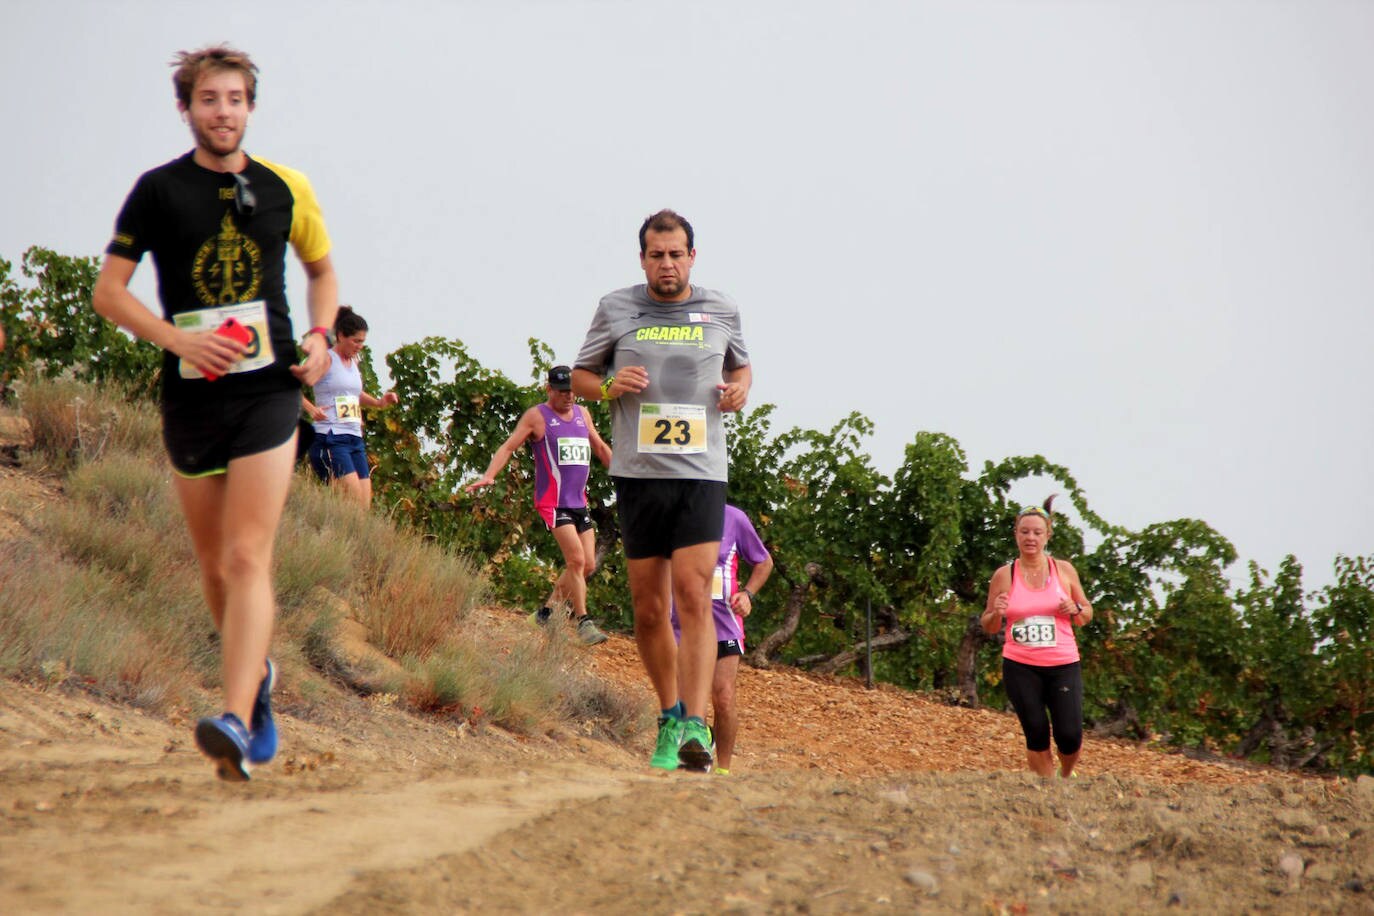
point(718, 585)
point(347, 407)
point(1035, 632)
point(252, 315)
point(574, 451)
point(672, 429)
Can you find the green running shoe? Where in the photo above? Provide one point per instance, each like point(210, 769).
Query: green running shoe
point(590, 633)
point(669, 737)
point(694, 753)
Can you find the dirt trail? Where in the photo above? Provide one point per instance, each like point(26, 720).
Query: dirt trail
point(843, 800)
point(107, 810)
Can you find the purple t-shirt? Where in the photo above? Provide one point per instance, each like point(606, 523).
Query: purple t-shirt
point(738, 540)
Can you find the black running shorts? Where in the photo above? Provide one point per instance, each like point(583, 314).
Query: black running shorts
point(580, 519)
point(658, 517)
point(203, 435)
point(1048, 700)
point(728, 647)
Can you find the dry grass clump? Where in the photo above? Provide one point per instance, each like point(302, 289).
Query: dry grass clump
point(63, 620)
point(411, 595)
point(74, 422)
point(121, 515)
point(531, 681)
point(101, 590)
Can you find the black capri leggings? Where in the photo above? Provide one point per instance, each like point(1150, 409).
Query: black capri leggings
point(1036, 689)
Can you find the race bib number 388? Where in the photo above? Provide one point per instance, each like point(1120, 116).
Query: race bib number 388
point(1034, 632)
point(672, 429)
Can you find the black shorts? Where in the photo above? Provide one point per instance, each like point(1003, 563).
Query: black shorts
point(728, 647)
point(580, 519)
point(659, 516)
point(1048, 700)
point(203, 435)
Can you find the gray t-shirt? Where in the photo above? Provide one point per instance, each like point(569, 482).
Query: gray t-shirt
point(673, 428)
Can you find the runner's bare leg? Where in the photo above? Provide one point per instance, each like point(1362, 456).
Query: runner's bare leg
point(650, 591)
point(236, 569)
point(692, 570)
point(1041, 762)
point(726, 722)
point(572, 582)
point(202, 505)
point(350, 485)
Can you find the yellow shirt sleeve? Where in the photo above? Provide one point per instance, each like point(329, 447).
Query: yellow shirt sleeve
point(309, 237)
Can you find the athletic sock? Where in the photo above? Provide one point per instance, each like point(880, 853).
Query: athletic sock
point(676, 711)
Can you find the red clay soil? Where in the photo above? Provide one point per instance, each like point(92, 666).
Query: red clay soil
point(790, 719)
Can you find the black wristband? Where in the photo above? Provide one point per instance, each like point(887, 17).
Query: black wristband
point(745, 589)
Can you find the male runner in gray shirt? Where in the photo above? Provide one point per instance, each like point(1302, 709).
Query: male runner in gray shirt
point(672, 358)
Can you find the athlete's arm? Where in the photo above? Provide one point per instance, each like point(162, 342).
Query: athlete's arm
point(531, 425)
point(735, 391)
point(1077, 600)
point(212, 354)
point(600, 449)
point(586, 384)
point(742, 602)
point(384, 401)
point(991, 618)
point(322, 297)
point(311, 410)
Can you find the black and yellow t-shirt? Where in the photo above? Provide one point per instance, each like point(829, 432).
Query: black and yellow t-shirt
point(208, 254)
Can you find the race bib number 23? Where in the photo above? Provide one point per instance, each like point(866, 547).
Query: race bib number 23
point(672, 429)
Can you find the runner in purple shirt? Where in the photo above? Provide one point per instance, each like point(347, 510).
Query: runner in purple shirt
point(730, 604)
point(562, 438)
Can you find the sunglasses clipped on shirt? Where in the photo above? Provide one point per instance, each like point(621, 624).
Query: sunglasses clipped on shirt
point(245, 201)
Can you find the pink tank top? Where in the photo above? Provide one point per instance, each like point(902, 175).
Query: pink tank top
point(1037, 634)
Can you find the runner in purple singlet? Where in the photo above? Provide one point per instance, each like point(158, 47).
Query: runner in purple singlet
point(563, 439)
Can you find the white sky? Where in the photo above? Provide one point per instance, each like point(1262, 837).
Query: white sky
point(1134, 237)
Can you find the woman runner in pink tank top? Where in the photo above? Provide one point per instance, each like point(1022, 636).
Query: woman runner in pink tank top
point(1036, 600)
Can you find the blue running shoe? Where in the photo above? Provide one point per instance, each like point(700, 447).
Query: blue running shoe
point(262, 731)
point(225, 741)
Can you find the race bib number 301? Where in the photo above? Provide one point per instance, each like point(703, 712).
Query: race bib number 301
point(574, 450)
point(1035, 632)
point(672, 429)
